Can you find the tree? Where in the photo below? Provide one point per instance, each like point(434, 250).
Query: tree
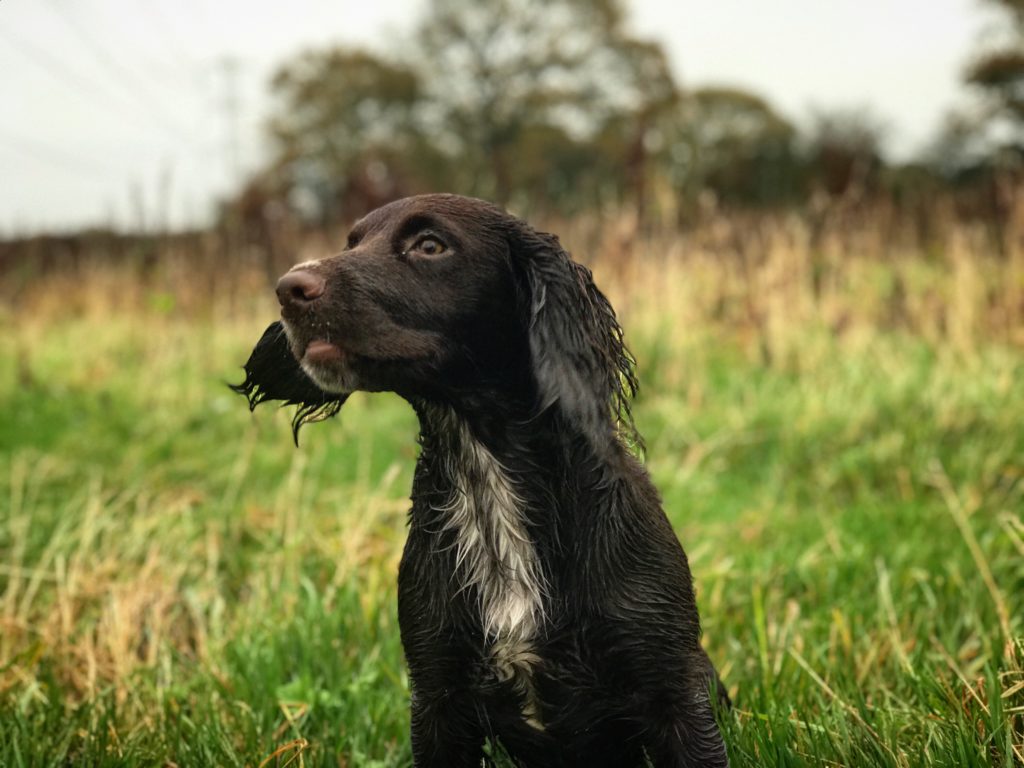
point(550, 103)
point(733, 143)
point(648, 95)
point(844, 152)
point(503, 70)
point(984, 137)
point(980, 146)
point(344, 128)
point(999, 72)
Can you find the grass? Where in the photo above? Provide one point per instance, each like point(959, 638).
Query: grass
point(180, 585)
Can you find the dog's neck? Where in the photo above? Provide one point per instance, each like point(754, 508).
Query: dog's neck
point(479, 509)
point(483, 505)
point(488, 484)
point(543, 455)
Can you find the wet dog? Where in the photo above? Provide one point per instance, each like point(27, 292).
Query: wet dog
point(545, 603)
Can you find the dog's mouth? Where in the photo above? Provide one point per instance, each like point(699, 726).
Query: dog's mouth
point(327, 363)
point(273, 372)
point(320, 351)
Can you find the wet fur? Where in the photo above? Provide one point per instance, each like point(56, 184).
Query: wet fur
point(545, 603)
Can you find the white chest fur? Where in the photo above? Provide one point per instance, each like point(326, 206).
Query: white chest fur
point(495, 556)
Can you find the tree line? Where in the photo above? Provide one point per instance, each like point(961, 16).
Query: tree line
point(555, 104)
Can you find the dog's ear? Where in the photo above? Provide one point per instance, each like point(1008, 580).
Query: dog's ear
point(579, 358)
point(273, 373)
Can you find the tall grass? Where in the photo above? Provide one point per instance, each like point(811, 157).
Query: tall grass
point(833, 414)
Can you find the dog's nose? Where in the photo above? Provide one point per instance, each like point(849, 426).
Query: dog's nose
point(299, 288)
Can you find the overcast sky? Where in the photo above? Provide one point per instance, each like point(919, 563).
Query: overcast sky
point(115, 110)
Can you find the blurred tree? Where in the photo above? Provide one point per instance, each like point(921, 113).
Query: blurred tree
point(999, 72)
point(844, 152)
point(540, 103)
point(344, 130)
point(549, 167)
point(648, 96)
point(980, 148)
point(733, 143)
point(505, 74)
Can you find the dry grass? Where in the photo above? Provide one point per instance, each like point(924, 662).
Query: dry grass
point(850, 272)
point(832, 410)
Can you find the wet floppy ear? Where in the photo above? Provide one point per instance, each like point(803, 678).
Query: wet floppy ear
point(273, 373)
point(579, 358)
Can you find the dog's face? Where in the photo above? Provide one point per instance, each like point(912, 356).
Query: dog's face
point(441, 297)
point(422, 299)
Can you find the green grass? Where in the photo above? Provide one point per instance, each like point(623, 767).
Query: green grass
point(180, 584)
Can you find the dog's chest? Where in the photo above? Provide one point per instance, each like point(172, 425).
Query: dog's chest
point(494, 552)
point(495, 556)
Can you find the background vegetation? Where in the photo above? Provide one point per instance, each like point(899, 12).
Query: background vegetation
point(837, 439)
point(557, 106)
point(832, 396)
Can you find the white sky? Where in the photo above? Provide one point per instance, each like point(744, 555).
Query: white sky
point(113, 110)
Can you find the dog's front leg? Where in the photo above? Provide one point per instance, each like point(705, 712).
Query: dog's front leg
point(689, 741)
point(447, 724)
point(445, 731)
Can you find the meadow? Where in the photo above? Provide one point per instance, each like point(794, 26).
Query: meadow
point(834, 416)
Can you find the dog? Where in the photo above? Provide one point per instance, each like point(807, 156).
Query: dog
point(545, 604)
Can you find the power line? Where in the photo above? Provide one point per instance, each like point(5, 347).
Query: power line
point(53, 155)
point(122, 74)
point(61, 72)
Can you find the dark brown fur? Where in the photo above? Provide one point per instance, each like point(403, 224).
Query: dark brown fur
point(508, 351)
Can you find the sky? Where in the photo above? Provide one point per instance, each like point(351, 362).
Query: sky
point(125, 112)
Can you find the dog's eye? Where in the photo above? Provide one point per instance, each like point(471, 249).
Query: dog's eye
point(430, 246)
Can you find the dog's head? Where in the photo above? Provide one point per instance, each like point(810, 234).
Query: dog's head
point(451, 299)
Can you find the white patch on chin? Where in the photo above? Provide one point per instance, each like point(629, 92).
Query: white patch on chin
point(336, 380)
point(494, 553)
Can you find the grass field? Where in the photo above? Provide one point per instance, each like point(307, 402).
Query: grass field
point(180, 585)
